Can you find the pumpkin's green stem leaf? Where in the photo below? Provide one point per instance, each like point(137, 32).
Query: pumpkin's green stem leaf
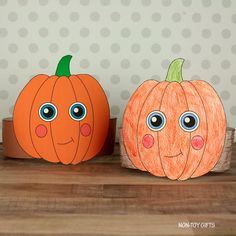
point(174, 73)
point(63, 67)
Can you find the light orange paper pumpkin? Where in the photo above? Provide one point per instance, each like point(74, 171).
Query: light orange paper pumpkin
point(62, 118)
point(174, 128)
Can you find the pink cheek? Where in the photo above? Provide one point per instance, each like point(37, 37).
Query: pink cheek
point(197, 142)
point(85, 130)
point(148, 141)
point(41, 131)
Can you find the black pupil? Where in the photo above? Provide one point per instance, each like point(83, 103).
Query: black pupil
point(156, 120)
point(48, 112)
point(189, 121)
point(78, 111)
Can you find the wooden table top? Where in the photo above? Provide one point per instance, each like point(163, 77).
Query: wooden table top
point(101, 198)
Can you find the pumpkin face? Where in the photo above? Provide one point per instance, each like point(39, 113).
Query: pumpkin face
point(62, 118)
point(174, 128)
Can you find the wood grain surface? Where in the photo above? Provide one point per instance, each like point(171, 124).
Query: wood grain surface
point(99, 197)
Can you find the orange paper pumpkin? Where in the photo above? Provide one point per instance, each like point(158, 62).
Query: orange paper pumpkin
point(62, 118)
point(174, 128)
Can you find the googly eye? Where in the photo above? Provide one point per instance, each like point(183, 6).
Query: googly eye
point(156, 120)
point(189, 121)
point(48, 112)
point(77, 111)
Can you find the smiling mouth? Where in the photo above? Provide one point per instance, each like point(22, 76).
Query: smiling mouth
point(70, 141)
point(175, 155)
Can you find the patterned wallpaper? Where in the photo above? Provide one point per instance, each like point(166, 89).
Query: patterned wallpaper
point(120, 42)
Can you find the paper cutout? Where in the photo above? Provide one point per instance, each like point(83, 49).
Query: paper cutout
point(175, 128)
point(62, 118)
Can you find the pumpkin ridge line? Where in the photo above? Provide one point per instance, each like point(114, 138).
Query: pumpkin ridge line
point(107, 103)
point(137, 144)
point(72, 86)
point(206, 126)
point(157, 132)
point(134, 95)
point(91, 136)
point(123, 120)
point(50, 123)
point(78, 122)
point(186, 100)
point(149, 94)
point(31, 108)
point(162, 97)
point(224, 117)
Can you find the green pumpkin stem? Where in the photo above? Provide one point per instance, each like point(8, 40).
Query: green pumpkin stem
point(174, 73)
point(63, 67)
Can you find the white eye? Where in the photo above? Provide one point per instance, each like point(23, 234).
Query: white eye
point(156, 120)
point(77, 111)
point(189, 121)
point(48, 112)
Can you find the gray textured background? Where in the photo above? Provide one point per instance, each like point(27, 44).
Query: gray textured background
point(120, 42)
